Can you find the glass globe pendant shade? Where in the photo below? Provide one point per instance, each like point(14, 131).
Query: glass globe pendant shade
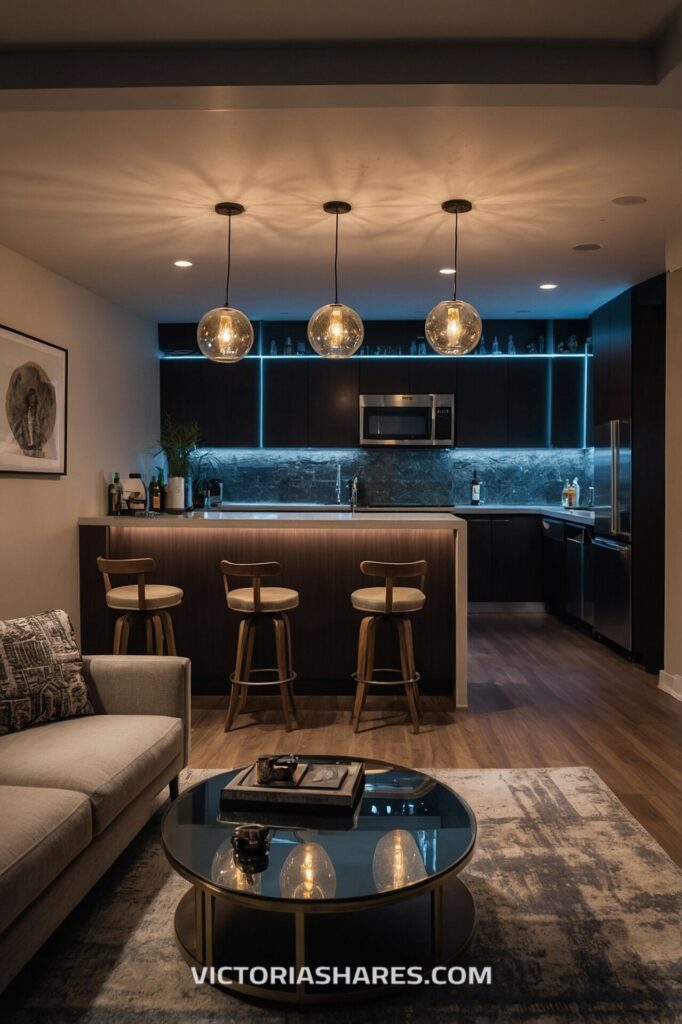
point(397, 861)
point(225, 335)
point(453, 328)
point(308, 874)
point(335, 331)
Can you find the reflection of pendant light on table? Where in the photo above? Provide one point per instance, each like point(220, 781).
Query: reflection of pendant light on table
point(336, 331)
point(227, 873)
point(453, 327)
point(308, 874)
point(224, 334)
point(397, 861)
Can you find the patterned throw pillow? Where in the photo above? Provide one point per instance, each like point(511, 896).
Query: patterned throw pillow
point(41, 672)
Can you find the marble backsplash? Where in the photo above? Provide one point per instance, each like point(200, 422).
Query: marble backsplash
point(396, 477)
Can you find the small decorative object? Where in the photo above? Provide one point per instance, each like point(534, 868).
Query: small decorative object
point(531, 347)
point(288, 347)
point(300, 348)
point(573, 343)
point(422, 348)
point(496, 350)
point(482, 348)
point(541, 344)
point(453, 327)
point(251, 845)
point(336, 331)
point(33, 382)
point(511, 347)
point(225, 334)
point(273, 347)
point(275, 769)
point(397, 861)
point(308, 874)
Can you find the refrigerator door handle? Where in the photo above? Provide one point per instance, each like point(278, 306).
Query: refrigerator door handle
point(615, 456)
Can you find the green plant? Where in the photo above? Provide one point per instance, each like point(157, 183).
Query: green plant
point(179, 442)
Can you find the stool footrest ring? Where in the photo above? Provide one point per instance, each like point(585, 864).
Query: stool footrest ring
point(262, 682)
point(400, 680)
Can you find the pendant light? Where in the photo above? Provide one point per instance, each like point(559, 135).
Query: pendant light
point(453, 327)
point(336, 331)
point(224, 334)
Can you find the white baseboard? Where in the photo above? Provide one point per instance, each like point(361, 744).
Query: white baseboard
point(670, 683)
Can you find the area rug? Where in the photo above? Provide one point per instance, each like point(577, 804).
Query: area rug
point(579, 918)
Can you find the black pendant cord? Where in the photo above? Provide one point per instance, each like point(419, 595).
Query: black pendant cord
point(454, 288)
point(229, 260)
point(336, 262)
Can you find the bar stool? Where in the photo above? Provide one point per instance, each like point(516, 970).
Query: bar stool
point(258, 603)
point(388, 604)
point(146, 601)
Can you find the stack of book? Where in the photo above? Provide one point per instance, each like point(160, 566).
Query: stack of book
point(327, 790)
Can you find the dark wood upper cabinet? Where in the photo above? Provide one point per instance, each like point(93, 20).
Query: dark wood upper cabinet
point(481, 403)
point(611, 340)
point(222, 399)
point(568, 403)
point(528, 384)
point(333, 404)
point(384, 377)
point(285, 403)
point(433, 375)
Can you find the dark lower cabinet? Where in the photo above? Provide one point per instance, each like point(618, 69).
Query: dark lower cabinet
point(553, 551)
point(333, 418)
point(222, 399)
point(285, 404)
point(505, 558)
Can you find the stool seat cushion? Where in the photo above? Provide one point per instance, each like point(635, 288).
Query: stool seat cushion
point(157, 595)
point(272, 599)
point(373, 599)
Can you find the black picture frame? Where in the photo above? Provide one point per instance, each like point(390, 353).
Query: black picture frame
point(34, 379)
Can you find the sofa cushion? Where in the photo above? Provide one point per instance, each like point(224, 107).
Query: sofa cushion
point(109, 758)
point(41, 672)
point(43, 830)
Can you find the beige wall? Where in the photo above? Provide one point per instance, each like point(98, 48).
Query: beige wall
point(671, 677)
point(112, 420)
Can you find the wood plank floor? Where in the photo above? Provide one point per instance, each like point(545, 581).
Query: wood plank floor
point(541, 695)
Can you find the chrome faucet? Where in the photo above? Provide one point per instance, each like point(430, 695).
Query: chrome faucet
point(353, 493)
point(338, 483)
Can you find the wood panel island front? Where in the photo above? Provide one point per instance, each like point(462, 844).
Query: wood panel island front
point(320, 554)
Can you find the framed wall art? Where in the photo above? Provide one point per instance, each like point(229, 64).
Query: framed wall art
point(33, 400)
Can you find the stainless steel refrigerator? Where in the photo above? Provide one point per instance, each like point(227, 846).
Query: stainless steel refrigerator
point(611, 548)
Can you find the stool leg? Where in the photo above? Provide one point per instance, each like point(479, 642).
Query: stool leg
point(125, 633)
point(168, 630)
point(290, 659)
point(158, 634)
point(360, 671)
point(250, 642)
point(235, 689)
point(149, 628)
point(118, 627)
point(407, 661)
point(371, 641)
point(280, 646)
point(232, 707)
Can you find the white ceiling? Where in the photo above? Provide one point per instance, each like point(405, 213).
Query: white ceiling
point(69, 22)
point(110, 199)
point(109, 186)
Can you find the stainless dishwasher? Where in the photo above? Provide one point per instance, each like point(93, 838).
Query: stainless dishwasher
point(578, 573)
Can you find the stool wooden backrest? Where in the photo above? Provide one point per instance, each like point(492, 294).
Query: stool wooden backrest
point(127, 567)
point(395, 571)
point(256, 570)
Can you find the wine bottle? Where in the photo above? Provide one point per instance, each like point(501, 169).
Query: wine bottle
point(475, 489)
point(154, 495)
point(112, 496)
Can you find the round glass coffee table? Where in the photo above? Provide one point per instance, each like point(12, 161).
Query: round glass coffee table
point(355, 904)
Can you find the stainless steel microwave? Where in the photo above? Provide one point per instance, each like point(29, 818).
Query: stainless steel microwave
point(427, 420)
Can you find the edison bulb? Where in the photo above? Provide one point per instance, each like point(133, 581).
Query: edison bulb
point(225, 335)
point(227, 873)
point(453, 328)
point(397, 861)
point(335, 331)
point(308, 874)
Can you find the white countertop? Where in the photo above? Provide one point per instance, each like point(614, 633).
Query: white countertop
point(584, 516)
point(264, 519)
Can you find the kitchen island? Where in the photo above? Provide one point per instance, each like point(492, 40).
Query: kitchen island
point(320, 554)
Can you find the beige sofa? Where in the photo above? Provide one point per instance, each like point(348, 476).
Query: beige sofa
point(74, 793)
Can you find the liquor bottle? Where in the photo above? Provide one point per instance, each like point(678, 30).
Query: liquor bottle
point(113, 501)
point(496, 347)
point(288, 347)
point(154, 495)
point(482, 349)
point(564, 495)
point(162, 488)
point(475, 489)
point(119, 503)
point(511, 347)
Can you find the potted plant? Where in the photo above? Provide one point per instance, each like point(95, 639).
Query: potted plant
point(178, 442)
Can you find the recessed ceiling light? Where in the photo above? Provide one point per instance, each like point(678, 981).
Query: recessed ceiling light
point(446, 270)
point(523, 311)
point(548, 287)
point(183, 263)
point(629, 200)
point(587, 247)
